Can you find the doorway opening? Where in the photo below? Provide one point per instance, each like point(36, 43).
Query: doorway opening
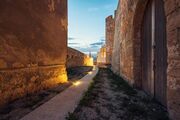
point(154, 51)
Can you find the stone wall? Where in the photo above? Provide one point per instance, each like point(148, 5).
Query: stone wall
point(76, 58)
point(110, 24)
point(116, 44)
point(123, 45)
point(128, 24)
point(33, 46)
point(172, 9)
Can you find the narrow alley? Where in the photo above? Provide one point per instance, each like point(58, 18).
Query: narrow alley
point(110, 98)
point(90, 59)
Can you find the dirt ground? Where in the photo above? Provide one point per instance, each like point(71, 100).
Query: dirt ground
point(111, 98)
point(20, 107)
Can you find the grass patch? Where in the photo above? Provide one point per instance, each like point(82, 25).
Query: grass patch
point(121, 85)
point(137, 109)
point(71, 116)
point(133, 106)
point(87, 98)
point(91, 94)
point(159, 115)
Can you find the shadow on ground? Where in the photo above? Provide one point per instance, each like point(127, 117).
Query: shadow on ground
point(76, 73)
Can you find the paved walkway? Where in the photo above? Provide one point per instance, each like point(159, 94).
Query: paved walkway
point(59, 106)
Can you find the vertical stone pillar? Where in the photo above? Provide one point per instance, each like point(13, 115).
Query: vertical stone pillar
point(110, 28)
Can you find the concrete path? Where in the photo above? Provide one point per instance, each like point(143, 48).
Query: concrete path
point(59, 106)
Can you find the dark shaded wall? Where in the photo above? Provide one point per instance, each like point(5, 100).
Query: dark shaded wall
point(33, 46)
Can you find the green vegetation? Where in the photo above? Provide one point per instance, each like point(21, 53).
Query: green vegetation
point(87, 98)
point(132, 104)
point(121, 85)
point(91, 93)
point(71, 116)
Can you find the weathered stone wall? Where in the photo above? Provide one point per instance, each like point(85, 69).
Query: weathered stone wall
point(33, 46)
point(129, 30)
point(123, 44)
point(172, 9)
point(76, 58)
point(116, 44)
point(110, 25)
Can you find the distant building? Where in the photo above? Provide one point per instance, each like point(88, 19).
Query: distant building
point(76, 58)
point(101, 56)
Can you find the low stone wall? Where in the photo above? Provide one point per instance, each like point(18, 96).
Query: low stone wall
point(33, 46)
point(76, 58)
point(20, 82)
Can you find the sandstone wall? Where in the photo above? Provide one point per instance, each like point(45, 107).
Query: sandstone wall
point(76, 58)
point(172, 9)
point(116, 43)
point(123, 45)
point(110, 24)
point(33, 46)
point(128, 33)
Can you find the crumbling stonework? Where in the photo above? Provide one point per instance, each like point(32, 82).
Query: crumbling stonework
point(33, 46)
point(76, 58)
point(110, 24)
point(128, 32)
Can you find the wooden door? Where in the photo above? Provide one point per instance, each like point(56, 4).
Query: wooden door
point(154, 51)
point(147, 49)
point(160, 52)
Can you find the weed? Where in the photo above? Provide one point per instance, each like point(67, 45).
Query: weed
point(71, 116)
point(90, 95)
point(121, 85)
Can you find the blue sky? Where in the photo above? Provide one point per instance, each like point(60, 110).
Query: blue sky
point(86, 25)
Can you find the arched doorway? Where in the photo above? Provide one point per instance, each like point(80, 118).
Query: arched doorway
point(154, 50)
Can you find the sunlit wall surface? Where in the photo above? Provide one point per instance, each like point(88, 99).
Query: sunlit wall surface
point(76, 58)
point(33, 46)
